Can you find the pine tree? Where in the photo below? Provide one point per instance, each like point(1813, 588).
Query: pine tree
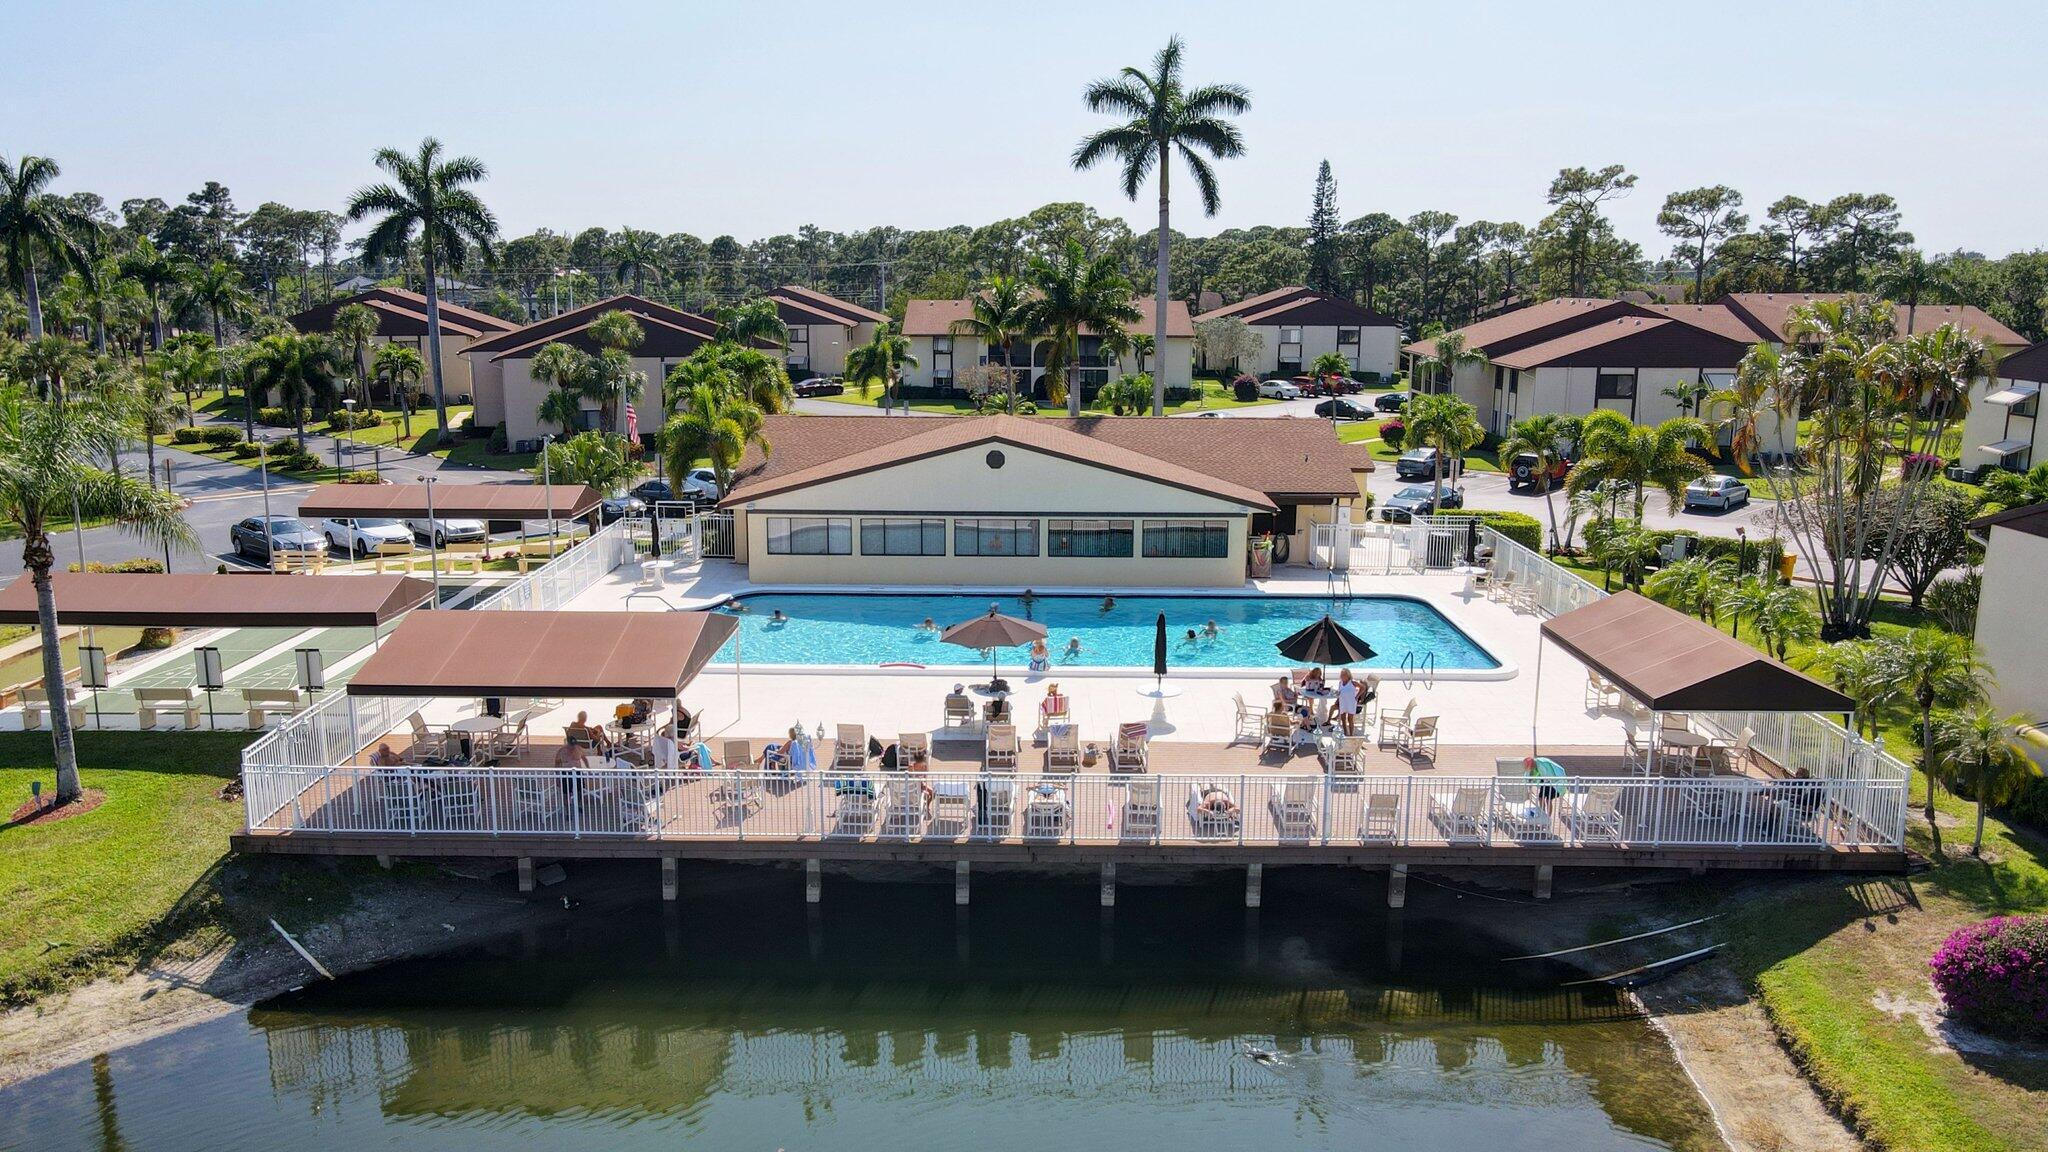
point(1324, 251)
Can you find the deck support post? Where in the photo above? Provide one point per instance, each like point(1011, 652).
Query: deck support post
point(384, 861)
point(814, 880)
point(670, 883)
point(960, 883)
point(1254, 882)
point(1397, 886)
point(526, 873)
point(1109, 885)
point(1543, 877)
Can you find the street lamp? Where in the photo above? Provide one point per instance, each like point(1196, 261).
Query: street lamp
point(548, 489)
point(433, 540)
point(350, 405)
point(263, 466)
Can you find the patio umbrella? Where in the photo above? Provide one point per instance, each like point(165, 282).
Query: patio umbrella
point(1159, 649)
point(993, 631)
point(1326, 642)
point(1472, 541)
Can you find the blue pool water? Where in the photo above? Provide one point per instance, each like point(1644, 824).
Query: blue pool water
point(862, 629)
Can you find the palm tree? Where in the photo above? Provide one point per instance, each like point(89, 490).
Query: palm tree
point(300, 369)
point(1981, 751)
point(616, 335)
point(1696, 584)
point(1908, 280)
point(1862, 669)
point(156, 409)
point(1544, 437)
point(1126, 395)
point(569, 374)
point(1937, 670)
point(709, 424)
point(999, 315)
point(35, 222)
point(428, 197)
point(400, 368)
point(1778, 613)
point(354, 327)
point(217, 287)
point(157, 271)
point(1077, 293)
point(1449, 425)
point(882, 359)
point(1448, 353)
point(593, 458)
point(189, 363)
point(1643, 458)
point(1622, 546)
point(46, 470)
point(756, 320)
point(638, 254)
point(1164, 117)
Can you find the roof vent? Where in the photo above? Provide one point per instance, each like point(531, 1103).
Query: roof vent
point(994, 458)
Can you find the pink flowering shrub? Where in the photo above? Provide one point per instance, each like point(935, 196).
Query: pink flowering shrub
point(1995, 975)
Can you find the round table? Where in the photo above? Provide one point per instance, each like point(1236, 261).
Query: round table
point(1321, 699)
point(654, 571)
point(1471, 573)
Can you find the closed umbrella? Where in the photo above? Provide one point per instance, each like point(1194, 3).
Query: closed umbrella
point(1159, 650)
point(993, 631)
point(1326, 642)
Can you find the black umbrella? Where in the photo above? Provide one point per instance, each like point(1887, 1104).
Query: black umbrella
point(1159, 649)
point(1472, 541)
point(1326, 642)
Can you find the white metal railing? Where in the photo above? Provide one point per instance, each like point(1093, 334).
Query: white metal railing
point(1554, 590)
point(554, 584)
point(1374, 546)
point(1866, 784)
point(1623, 813)
point(279, 766)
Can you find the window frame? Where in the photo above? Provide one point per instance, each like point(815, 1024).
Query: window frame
point(970, 528)
point(1106, 526)
point(925, 526)
point(793, 525)
point(1209, 528)
point(1601, 387)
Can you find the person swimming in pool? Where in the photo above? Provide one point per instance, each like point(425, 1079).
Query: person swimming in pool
point(1109, 603)
point(778, 617)
point(1073, 651)
point(1189, 638)
point(1211, 630)
point(928, 625)
point(1027, 597)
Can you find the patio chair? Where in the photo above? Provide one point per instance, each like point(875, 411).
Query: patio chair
point(1054, 707)
point(1130, 752)
point(1141, 809)
point(1369, 697)
point(425, 741)
point(1000, 748)
point(903, 809)
point(1461, 814)
point(461, 801)
point(1251, 722)
point(1396, 723)
point(638, 807)
point(959, 711)
point(735, 793)
point(1600, 691)
point(850, 747)
point(995, 810)
point(535, 800)
point(1063, 747)
point(402, 808)
point(1596, 815)
point(1279, 732)
point(1346, 754)
point(1735, 757)
point(913, 751)
point(1044, 818)
point(1420, 739)
point(1208, 824)
point(1516, 812)
point(510, 737)
point(1293, 805)
point(739, 755)
point(1633, 753)
point(1382, 820)
point(854, 815)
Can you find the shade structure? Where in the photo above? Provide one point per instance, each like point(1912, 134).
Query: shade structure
point(466, 501)
point(1326, 642)
point(1674, 663)
point(992, 631)
point(218, 600)
point(543, 654)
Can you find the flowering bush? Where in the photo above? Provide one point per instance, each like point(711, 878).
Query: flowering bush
point(1995, 975)
point(1917, 464)
point(1393, 432)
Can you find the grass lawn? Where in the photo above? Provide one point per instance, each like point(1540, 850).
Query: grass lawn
point(389, 435)
point(138, 877)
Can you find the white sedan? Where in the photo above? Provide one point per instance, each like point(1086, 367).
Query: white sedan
point(361, 537)
point(1717, 492)
point(445, 531)
point(1279, 390)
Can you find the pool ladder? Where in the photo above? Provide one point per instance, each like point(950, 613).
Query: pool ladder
point(1421, 664)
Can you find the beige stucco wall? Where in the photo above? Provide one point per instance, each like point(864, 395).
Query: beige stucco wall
point(829, 344)
point(1030, 485)
point(487, 378)
point(1178, 363)
point(2012, 627)
point(1991, 423)
point(1379, 349)
point(522, 396)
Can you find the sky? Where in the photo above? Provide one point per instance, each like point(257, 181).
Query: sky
point(753, 119)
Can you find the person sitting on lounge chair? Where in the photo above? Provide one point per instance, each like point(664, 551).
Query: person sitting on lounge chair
point(1217, 801)
point(580, 732)
point(1286, 699)
point(384, 757)
point(775, 757)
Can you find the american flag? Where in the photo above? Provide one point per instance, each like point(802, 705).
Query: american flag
point(632, 422)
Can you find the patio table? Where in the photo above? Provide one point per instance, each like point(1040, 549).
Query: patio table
point(1688, 744)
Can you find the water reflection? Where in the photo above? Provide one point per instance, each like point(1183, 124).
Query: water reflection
point(715, 1022)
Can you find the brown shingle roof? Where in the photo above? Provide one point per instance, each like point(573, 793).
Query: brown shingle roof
point(218, 599)
point(937, 317)
point(575, 654)
point(1545, 320)
point(1258, 303)
point(1273, 456)
point(1301, 306)
point(1674, 663)
point(844, 311)
point(1632, 342)
point(577, 319)
point(2030, 518)
point(1715, 318)
point(467, 501)
point(1767, 312)
point(401, 313)
point(2030, 364)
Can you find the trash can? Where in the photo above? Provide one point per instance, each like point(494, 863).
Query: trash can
point(1785, 565)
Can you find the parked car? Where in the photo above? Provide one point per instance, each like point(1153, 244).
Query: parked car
point(441, 530)
point(699, 484)
point(360, 537)
point(622, 505)
point(1344, 408)
point(1522, 471)
point(1717, 492)
point(1390, 401)
point(1279, 390)
point(1416, 464)
point(820, 386)
point(1415, 501)
point(248, 540)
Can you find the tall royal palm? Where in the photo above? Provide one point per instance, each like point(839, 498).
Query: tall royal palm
point(157, 271)
point(1001, 313)
point(35, 223)
point(355, 327)
point(427, 196)
point(217, 287)
point(1077, 292)
point(1641, 458)
point(1165, 117)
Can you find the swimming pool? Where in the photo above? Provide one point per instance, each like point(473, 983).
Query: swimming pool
point(858, 629)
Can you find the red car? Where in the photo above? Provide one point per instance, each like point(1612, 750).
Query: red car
point(1325, 385)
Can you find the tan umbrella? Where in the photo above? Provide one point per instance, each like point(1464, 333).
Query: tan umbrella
point(993, 631)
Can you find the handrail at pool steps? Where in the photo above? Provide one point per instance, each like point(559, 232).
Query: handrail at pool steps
point(1506, 810)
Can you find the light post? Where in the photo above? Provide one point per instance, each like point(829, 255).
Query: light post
point(350, 405)
point(263, 467)
point(547, 481)
point(1741, 551)
point(433, 541)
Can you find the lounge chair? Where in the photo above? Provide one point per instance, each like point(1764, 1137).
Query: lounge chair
point(855, 813)
point(1251, 723)
point(1063, 747)
point(739, 755)
point(1461, 815)
point(959, 711)
point(1293, 805)
point(1516, 812)
point(1130, 751)
point(913, 751)
point(1420, 739)
point(1054, 707)
point(903, 809)
point(1209, 824)
point(850, 747)
point(1141, 809)
point(996, 808)
point(1346, 754)
point(1045, 818)
point(1382, 820)
point(1279, 732)
point(1595, 815)
point(1396, 723)
point(1000, 748)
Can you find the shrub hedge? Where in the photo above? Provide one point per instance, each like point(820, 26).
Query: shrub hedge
point(133, 564)
point(1520, 527)
point(362, 476)
point(220, 435)
point(278, 417)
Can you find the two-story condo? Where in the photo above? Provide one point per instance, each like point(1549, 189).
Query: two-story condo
point(821, 329)
point(1299, 325)
point(941, 350)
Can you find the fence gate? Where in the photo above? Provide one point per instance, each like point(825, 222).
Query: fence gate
point(715, 535)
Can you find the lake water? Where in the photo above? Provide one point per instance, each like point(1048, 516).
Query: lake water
point(864, 629)
point(887, 1019)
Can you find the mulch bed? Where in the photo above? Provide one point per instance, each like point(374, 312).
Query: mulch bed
point(43, 812)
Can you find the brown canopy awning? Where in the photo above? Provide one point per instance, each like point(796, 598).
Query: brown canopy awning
point(468, 501)
point(543, 654)
point(1674, 663)
point(218, 600)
